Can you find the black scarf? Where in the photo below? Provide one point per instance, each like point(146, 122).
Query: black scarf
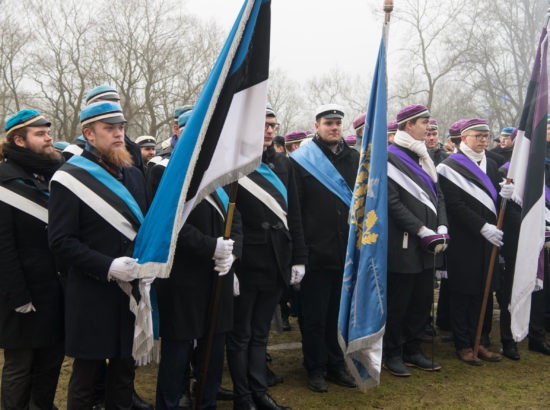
point(32, 162)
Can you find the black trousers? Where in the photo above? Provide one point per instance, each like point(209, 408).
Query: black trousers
point(176, 355)
point(29, 377)
point(409, 300)
point(246, 343)
point(504, 295)
point(320, 300)
point(119, 383)
point(465, 310)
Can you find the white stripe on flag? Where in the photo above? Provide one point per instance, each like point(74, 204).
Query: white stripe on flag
point(239, 144)
point(98, 204)
point(410, 186)
point(23, 204)
point(530, 243)
point(467, 186)
point(516, 172)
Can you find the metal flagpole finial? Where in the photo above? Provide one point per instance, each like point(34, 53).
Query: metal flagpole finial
point(388, 8)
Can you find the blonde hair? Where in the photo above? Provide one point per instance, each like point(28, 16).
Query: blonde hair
point(9, 139)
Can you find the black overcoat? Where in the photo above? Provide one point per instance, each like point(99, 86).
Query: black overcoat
point(98, 321)
point(28, 272)
point(324, 215)
point(406, 215)
point(185, 297)
point(469, 252)
point(269, 249)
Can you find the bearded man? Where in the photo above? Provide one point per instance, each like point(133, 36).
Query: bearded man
point(96, 206)
point(31, 298)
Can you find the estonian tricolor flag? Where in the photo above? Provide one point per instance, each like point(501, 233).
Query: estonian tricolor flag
point(527, 172)
point(221, 142)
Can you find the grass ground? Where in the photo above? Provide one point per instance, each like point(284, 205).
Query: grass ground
point(524, 384)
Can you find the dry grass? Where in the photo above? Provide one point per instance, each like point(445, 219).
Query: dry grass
point(508, 384)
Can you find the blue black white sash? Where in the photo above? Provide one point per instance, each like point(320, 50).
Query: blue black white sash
point(314, 161)
point(101, 192)
point(414, 180)
point(266, 186)
point(465, 176)
point(26, 199)
point(220, 201)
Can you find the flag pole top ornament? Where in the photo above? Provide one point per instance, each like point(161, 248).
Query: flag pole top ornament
point(388, 8)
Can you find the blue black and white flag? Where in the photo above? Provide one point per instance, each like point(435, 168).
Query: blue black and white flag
point(527, 172)
point(221, 142)
point(362, 318)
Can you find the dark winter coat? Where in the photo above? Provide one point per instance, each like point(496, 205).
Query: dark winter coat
point(98, 320)
point(269, 249)
point(325, 215)
point(28, 272)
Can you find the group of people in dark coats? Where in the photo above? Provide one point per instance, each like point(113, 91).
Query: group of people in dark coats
point(69, 222)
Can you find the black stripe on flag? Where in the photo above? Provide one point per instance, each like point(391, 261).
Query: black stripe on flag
point(104, 192)
point(253, 70)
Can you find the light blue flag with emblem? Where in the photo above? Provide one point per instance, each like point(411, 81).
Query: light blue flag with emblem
point(362, 318)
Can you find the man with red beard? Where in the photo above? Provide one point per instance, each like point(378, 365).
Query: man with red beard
point(96, 207)
point(31, 298)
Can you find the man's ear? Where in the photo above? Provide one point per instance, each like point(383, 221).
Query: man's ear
point(19, 141)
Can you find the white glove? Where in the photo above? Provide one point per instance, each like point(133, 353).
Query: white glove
point(26, 308)
point(426, 232)
point(297, 274)
point(224, 265)
point(506, 190)
point(442, 230)
point(123, 268)
point(492, 234)
point(224, 247)
point(236, 287)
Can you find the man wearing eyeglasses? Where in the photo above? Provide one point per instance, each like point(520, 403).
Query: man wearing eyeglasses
point(325, 173)
point(469, 181)
point(273, 257)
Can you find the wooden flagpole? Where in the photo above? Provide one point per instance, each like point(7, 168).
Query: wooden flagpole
point(489, 278)
point(215, 302)
point(388, 8)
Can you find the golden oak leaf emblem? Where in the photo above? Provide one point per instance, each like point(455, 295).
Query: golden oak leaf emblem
point(368, 237)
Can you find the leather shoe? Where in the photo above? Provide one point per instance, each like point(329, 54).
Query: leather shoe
point(99, 406)
point(396, 366)
point(139, 404)
point(485, 354)
point(272, 379)
point(341, 378)
point(317, 383)
point(224, 394)
point(419, 361)
point(467, 356)
point(510, 351)
point(265, 401)
point(539, 346)
point(244, 405)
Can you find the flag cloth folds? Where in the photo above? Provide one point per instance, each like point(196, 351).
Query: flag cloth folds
point(527, 171)
point(362, 317)
point(222, 141)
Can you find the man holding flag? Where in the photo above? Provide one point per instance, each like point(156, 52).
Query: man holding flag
point(417, 234)
point(325, 172)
